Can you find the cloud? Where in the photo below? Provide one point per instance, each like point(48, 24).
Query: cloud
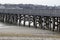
point(43, 2)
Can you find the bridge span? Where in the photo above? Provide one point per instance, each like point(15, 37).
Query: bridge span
point(44, 19)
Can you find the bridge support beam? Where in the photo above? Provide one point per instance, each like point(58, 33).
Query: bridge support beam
point(47, 22)
point(50, 23)
point(59, 24)
point(53, 23)
point(19, 18)
point(35, 25)
point(24, 21)
point(40, 22)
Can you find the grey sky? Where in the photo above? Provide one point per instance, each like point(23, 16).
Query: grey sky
point(39, 2)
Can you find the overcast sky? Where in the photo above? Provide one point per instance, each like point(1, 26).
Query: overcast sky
point(39, 2)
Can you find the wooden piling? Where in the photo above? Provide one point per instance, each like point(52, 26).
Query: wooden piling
point(59, 25)
point(53, 23)
point(24, 20)
point(29, 20)
point(47, 22)
point(50, 23)
point(19, 19)
point(34, 21)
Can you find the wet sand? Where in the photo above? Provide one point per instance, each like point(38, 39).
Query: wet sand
point(20, 33)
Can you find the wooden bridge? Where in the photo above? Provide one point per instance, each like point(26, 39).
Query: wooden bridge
point(44, 19)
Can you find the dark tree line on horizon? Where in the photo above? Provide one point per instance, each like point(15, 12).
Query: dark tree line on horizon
point(28, 6)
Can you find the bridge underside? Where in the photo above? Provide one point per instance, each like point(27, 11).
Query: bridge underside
point(42, 22)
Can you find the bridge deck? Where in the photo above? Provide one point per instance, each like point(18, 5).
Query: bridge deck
point(42, 12)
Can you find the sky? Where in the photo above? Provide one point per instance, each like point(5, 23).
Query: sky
point(36, 2)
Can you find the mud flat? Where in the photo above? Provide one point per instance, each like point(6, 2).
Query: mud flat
point(11, 32)
point(27, 38)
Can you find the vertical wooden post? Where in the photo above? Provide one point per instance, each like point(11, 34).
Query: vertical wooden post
point(53, 23)
point(44, 22)
point(16, 18)
point(59, 25)
point(10, 19)
point(47, 22)
point(20, 19)
point(24, 20)
point(29, 20)
point(50, 23)
point(6, 18)
point(40, 22)
point(13, 18)
point(34, 22)
point(3, 17)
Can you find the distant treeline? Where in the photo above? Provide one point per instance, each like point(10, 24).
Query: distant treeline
point(28, 6)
